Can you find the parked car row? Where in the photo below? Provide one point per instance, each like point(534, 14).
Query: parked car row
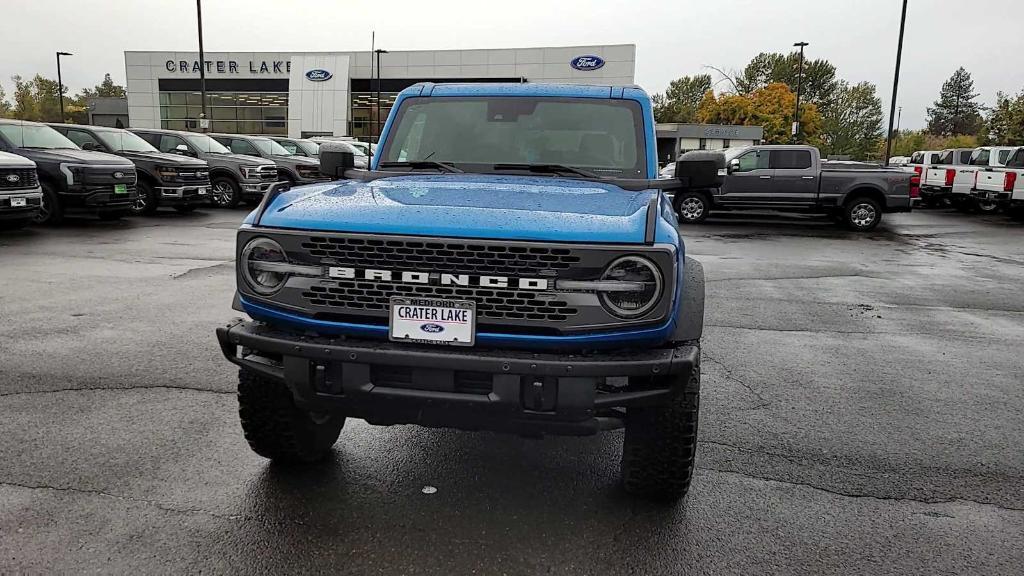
point(970, 179)
point(48, 171)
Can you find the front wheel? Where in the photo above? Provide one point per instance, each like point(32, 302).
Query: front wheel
point(225, 192)
point(660, 446)
point(862, 214)
point(277, 429)
point(986, 206)
point(146, 203)
point(50, 210)
point(692, 207)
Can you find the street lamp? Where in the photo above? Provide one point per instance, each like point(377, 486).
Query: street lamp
point(203, 123)
point(378, 52)
point(895, 84)
point(60, 84)
point(799, 87)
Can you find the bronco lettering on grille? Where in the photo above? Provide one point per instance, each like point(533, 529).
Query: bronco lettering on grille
point(413, 277)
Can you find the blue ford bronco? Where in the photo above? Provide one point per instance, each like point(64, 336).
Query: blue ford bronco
point(508, 262)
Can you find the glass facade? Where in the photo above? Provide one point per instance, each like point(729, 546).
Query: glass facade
point(231, 112)
point(363, 121)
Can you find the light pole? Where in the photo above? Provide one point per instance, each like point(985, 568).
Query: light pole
point(799, 87)
point(203, 124)
point(895, 84)
point(378, 52)
point(60, 84)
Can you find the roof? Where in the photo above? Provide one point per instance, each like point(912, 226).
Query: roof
point(88, 127)
point(522, 89)
point(20, 122)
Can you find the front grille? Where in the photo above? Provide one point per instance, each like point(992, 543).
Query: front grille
point(106, 189)
point(26, 178)
point(98, 176)
point(490, 304)
point(194, 177)
point(452, 257)
point(268, 173)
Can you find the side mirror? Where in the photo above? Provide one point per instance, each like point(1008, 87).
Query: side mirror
point(90, 146)
point(182, 150)
point(734, 165)
point(335, 159)
point(701, 169)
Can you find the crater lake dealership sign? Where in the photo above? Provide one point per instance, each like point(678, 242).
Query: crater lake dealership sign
point(230, 66)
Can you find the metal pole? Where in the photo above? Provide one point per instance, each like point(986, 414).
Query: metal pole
point(799, 87)
point(373, 45)
point(895, 84)
point(60, 84)
point(202, 66)
point(376, 124)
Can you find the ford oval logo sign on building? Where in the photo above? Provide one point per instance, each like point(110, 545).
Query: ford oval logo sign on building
point(587, 63)
point(318, 75)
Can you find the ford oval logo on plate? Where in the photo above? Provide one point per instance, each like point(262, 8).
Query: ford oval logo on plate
point(587, 63)
point(118, 174)
point(432, 328)
point(318, 75)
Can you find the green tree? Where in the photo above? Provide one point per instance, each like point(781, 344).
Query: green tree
point(819, 81)
point(36, 99)
point(680, 101)
point(1004, 125)
point(852, 123)
point(770, 107)
point(6, 110)
point(107, 89)
point(956, 113)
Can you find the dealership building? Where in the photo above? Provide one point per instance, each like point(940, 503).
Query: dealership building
point(302, 94)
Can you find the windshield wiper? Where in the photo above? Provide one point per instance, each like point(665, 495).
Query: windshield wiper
point(547, 169)
point(421, 164)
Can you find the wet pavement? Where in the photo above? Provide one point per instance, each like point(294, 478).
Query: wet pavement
point(863, 412)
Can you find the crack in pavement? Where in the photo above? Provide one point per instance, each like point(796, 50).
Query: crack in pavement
point(729, 376)
point(114, 388)
point(861, 494)
point(156, 503)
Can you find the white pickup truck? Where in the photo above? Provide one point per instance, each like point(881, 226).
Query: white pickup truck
point(922, 159)
point(953, 177)
point(20, 194)
point(1002, 186)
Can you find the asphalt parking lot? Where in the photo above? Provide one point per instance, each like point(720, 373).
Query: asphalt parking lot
point(862, 413)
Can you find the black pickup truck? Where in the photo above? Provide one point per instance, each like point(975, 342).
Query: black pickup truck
point(74, 181)
point(794, 179)
point(164, 179)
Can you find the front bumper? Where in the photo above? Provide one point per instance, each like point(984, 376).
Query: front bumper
point(33, 199)
point(184, 195)
point(256, 188)
point(388, 383)
point(98, 198)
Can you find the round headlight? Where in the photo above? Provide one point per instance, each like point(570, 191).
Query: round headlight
point(262, 259)
point(642, 291)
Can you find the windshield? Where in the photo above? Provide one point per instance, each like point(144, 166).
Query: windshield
point(270, 147)
point(363, 148)
point(124, 141)
point(476, 133)
point(735, 152)
point(310, 148)
point(205, 144)
point(34, 136)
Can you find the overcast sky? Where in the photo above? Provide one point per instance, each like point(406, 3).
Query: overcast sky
point(673, 38)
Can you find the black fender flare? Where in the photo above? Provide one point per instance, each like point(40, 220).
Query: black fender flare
point(690, 317)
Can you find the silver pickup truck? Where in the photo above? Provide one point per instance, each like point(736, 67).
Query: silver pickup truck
point(794, 179)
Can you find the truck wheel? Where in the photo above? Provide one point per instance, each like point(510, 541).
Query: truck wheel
point(50, 211)
point(692, 207)
point(276, 429)
point(986, 206)
point(660, 445)
point(146, 203)
point(862, 214)
point(224, 192)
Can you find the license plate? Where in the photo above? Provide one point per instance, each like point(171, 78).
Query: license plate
point(120, 188)
point(430, 321)
point(15, 202)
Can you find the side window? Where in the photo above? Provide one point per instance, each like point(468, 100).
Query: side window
point(242, 147)
point(980, 157)
point(1017, 159)
point(755, 160)
point(291, 147)
point(153, 139)
point(790, 159)
point(169, 142)
point(81, 138)
point(965, 157)
point(1003, 156)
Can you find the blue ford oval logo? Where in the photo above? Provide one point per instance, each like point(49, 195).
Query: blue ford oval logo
point(318, 75)
point(587, 63)
point(432, 328)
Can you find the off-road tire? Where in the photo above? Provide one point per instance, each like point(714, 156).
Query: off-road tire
point(235, 192)
point(692, 206)
point(660, 446)
point(862, 214)
point(276, 429)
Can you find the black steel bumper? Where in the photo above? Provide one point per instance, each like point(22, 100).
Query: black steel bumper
point(91, 200)
point(501, 390)
point(928, 192)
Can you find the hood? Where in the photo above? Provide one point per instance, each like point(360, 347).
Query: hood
point(73, 155)
point(468, 206)
point(165, 158)
point(240, 159)
point(296, 160)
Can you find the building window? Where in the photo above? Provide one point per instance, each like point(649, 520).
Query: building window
point(364, 121)
point(725, 143)
point(231, 112)
point(703, 143)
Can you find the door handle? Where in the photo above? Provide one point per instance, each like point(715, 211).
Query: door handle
point(807, 177)
point(765, 177)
